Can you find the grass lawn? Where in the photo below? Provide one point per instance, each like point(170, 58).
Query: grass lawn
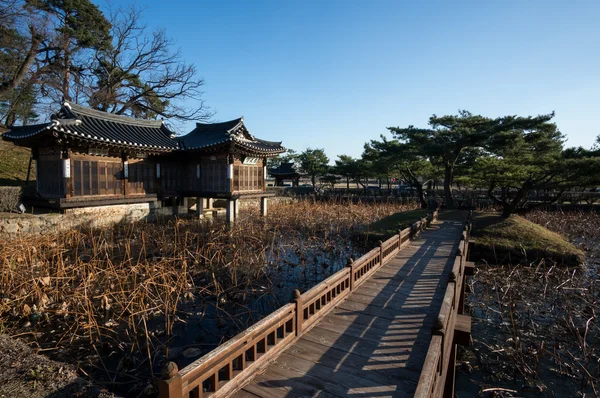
point(13, 164)
point(390, 225)
point(517, 240)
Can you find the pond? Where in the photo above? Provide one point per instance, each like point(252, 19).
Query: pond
point(122, 301)
point(535, 328)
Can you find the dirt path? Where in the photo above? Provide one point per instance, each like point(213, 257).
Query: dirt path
point(23, 373)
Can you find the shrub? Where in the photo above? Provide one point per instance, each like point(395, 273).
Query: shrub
point(9, 198)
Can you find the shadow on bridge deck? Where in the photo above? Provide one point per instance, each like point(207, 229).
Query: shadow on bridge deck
point(374, 343)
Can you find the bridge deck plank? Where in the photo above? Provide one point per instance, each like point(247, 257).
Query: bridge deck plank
point(374, 343)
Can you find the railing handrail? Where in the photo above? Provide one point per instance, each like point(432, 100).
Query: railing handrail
point(319, 287)
point(432, 380)
point(286, 324)
point(241, 337)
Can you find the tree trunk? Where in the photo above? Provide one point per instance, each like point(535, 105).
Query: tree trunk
point(23, 69)
point(509, 207)
point(421, 196)
point(448, 177)
point(67, 70)
point(11, 118)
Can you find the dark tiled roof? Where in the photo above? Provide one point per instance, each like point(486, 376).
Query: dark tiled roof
point(101, 127)
point(90, 125)
point(285, 169)
point(208, 135)
point(22, 132)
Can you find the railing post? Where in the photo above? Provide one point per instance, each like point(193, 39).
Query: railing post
point(170, 384)
point(438, 329)
point(297, 298)
point(350, 264)
point(399, 239)
point(380, 252)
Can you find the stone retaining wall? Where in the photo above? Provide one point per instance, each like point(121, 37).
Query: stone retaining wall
point(255, 203)
point(16, 224)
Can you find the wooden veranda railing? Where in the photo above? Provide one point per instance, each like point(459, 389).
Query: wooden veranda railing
point(435, 380)
point(228, 367)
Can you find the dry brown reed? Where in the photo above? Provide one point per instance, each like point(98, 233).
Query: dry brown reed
point(537, 326)
point(112, 296)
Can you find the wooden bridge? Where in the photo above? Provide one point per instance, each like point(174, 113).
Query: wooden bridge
point(385, 326)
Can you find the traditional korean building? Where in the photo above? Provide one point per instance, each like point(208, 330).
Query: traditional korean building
point(89, 158)
point(286, 171)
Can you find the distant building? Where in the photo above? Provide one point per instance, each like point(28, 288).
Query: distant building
point(286, 171)
point(88, 158)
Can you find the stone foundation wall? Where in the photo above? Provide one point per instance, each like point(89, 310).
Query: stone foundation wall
point(24, 224)
point(255, 202)
point(13, 225)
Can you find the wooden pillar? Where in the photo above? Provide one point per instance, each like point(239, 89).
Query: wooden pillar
point(263, 206)
point(199, 207)
point(125, 175)
point(66, 173)
point(230, 211)
point(157, 176)
point(265, 173)
point(175, 206)
point(236, 207)
point(209, 203)
point(29, 169)
point(230, 173)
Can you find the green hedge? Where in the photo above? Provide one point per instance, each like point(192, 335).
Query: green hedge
point(9, 198)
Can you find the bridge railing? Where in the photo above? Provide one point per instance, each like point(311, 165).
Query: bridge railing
point(441, 352)
point(225, 369)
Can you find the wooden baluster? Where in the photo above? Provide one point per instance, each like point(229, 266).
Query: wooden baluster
point(297, 298)
point(350, 264)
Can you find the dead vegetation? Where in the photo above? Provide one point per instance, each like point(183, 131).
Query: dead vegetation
point(517, 240)
point(536, 329)
point(119, 301)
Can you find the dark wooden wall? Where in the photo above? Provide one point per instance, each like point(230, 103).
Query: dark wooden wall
point(248, 177)
point(213, 174)
point(102, 175)
point(49, 173)
point(95, 175)
point(171, 174)
point(142, 175)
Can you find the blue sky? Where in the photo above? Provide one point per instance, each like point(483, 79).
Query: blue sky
point(335, 74)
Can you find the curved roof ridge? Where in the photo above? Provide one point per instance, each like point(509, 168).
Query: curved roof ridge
point(75, 110)
point(274, 143)
point(235, 123)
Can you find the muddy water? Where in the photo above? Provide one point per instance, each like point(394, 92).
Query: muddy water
point(205, 321)
point(300, 264)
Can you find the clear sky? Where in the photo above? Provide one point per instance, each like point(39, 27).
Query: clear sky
point(335, 74)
